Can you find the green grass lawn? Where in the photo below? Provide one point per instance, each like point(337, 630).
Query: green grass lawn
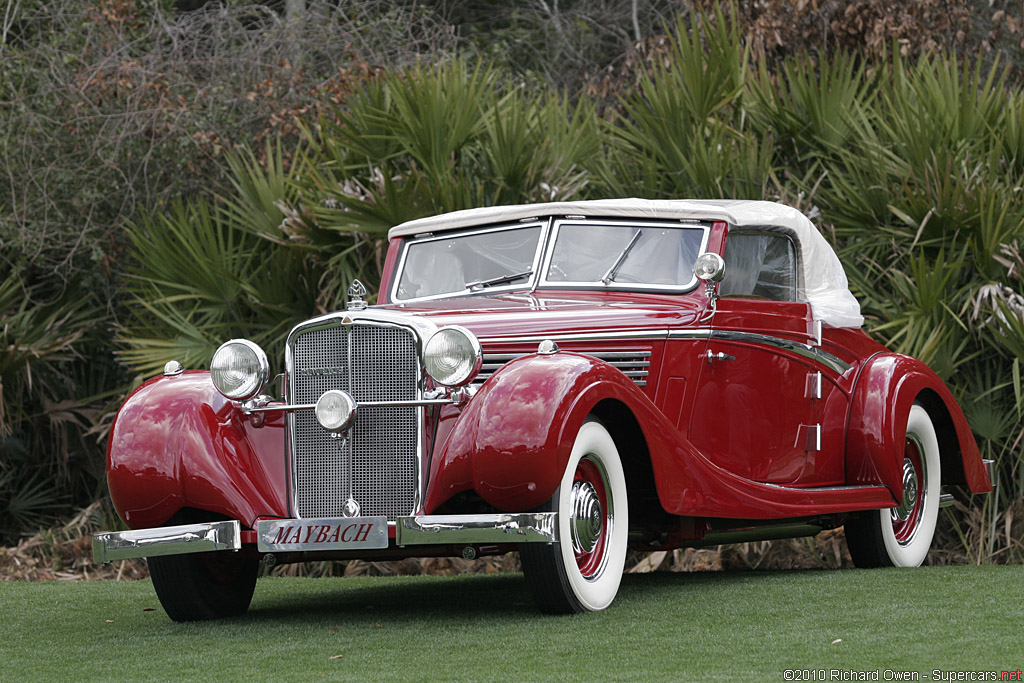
point(709, 626)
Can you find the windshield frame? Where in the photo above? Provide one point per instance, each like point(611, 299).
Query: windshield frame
point(549, 227)
point(529, 284)
point(544, 283)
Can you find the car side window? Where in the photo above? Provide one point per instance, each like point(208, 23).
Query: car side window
point(760, 265)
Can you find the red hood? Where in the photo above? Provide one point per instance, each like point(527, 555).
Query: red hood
point(520, 315)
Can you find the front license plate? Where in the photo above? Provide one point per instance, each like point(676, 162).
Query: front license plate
point(348, 533)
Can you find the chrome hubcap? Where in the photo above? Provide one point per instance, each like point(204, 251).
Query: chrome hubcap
point(586, 517)
point(906, 518)
point(910, 488)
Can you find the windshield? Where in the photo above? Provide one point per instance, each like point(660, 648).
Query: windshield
point(640, 256)
point(497, 259)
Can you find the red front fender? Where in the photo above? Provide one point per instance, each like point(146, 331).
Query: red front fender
point(177, 443)
point(886, 388)
point(512, 442)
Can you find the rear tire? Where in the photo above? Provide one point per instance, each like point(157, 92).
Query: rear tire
point(582, 571)
point(201, 586)
point(902, 536)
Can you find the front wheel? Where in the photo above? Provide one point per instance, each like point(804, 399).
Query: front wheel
point(202, 586)
point(901, 536)
point(581, 572)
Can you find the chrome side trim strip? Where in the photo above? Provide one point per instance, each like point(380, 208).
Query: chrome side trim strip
point(834, 363)
point(167, 540)
point(529, 527)
point(820, 489)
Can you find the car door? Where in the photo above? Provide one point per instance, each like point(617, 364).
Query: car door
point(761, 392)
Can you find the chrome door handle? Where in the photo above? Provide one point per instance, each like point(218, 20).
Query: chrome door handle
point(712, 356)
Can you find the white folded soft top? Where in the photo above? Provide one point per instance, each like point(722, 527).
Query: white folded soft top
point(825, 285)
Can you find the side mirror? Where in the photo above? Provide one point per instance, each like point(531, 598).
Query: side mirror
point(709, 267)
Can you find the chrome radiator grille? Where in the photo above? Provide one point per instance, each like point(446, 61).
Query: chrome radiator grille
point(372, 363)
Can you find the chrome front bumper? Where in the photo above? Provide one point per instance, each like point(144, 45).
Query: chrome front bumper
point(166, 540)
point(531, 527)
point(527, 527)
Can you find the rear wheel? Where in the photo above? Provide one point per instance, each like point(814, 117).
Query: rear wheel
point(582, 571)
point(202, 586)
point(901, 536)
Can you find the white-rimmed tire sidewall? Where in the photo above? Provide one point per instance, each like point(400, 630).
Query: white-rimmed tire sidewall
point(597, 592)
point(913, 554)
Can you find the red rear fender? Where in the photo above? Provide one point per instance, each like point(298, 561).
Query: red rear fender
point(885, 390)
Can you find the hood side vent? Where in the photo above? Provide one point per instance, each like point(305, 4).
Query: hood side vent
point(633, 364)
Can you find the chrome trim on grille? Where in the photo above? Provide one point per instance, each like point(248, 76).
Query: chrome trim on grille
point(166, 540)
point(632, 364)
point(530, 527)
point(290, 408)
point(366, 441)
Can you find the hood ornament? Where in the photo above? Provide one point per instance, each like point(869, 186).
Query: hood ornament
point(356, 292)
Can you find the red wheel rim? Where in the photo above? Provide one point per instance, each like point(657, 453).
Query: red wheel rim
point(590, 517)
point(907, 516)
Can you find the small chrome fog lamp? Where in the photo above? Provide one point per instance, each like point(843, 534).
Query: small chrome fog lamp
point(452, 356)
point(709, 267)
point(239, 369)
point(335, 410)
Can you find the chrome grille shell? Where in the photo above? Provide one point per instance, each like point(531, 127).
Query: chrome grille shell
point(375, 356)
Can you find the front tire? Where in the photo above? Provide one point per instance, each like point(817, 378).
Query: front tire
point(201, 586)
point(901, 536)
point(582, 571)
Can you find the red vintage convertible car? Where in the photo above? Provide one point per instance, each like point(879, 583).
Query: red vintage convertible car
point(568, 380)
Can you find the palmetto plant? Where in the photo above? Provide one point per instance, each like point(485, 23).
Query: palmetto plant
point(924, 207)
point(201, 278)
point(284, 241)
point(813, 109)
point(45, 405)
point(683, 131)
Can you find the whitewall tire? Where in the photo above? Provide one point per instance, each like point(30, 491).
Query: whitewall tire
point(902, 536)
point(582, 571)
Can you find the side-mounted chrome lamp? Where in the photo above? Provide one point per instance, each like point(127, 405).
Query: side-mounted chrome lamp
point(710, 269)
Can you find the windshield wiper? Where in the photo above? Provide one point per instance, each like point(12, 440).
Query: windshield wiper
point(501, 279)
point(610, 275)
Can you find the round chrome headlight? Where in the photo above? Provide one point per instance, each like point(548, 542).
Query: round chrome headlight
point(452, 356)
point(335, 410)
point(239, 369)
